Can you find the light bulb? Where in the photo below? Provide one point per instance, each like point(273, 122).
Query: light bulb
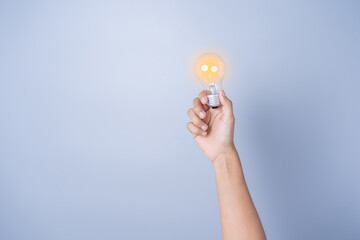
point(210, 70)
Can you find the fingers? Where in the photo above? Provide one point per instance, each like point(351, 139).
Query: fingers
point(227, 106)
point(196, 120)
point(198, 116)
point(194, 130)
point(203, 98)
point(199, 108)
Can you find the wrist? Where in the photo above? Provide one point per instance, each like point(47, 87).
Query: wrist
point(227, 166)
point(226, 156)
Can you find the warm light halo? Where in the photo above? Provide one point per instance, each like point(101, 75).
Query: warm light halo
point(215, 74)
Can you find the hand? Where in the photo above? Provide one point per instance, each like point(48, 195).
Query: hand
point(212, 129)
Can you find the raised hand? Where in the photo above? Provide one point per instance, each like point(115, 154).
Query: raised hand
point(212, 129)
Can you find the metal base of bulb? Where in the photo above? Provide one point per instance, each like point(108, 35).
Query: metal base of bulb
point(213, 100)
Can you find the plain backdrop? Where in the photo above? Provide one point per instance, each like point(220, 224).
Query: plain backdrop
point(93, 101)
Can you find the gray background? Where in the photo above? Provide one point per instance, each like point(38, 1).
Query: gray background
point(93, 100)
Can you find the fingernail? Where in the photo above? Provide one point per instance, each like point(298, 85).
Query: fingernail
point(202, 114)
point(204, 100)
point(203, 127)
point(203, 133)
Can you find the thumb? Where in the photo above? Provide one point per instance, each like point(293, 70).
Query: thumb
point(226, 104)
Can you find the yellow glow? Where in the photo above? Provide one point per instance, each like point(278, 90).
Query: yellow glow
point(208, 74)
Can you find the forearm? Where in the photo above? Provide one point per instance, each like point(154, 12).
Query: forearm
point(213, 131)
point(239, 219)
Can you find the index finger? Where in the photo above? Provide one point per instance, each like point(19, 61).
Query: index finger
point(204, 100)
point(199, 108)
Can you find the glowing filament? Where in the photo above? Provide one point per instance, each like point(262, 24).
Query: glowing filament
point(204, 68)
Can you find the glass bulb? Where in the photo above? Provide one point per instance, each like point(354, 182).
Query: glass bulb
point(210, 70)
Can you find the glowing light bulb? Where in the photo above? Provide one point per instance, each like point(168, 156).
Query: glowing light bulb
point(210, 70)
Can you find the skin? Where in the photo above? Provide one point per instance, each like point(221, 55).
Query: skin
point(213, 131)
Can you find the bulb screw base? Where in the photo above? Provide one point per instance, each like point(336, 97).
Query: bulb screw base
point(213, 100)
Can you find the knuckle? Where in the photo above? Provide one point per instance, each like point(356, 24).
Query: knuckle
point(196, 131)
point(197, 122)
point(197, 109)
point(202, 95)
point(189, 111)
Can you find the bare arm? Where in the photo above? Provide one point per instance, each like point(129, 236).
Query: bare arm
point(213, 131)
